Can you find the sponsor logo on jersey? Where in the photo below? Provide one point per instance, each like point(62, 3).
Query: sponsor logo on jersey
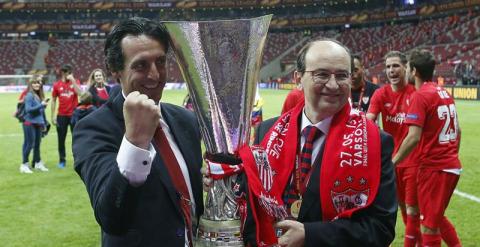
point(399, 118)
point(66, 94)
point(388, 105)
point(412, 116)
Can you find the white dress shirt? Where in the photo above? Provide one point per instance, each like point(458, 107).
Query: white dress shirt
point(323, 126)
point(135, 163)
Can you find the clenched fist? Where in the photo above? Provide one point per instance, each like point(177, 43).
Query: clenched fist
point(141, 119)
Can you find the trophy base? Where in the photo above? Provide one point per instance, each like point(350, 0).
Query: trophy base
point(219, 233)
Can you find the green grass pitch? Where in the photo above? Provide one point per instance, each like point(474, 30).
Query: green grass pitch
point(53, 209)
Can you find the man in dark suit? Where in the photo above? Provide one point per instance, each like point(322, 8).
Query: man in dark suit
point(362, 89)
point(140, 159)
point(355, 217)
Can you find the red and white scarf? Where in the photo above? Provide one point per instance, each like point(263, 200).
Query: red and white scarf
point(349, 174)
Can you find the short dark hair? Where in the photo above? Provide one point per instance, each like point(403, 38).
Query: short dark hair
point(67, 68)
point(401, 55)
point(358, 57)
point(136, 26)
point(423, 62)
point(360, 61)
point(301, 66)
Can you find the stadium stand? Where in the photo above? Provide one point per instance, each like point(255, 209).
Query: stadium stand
point(84, 55)
point(17, 55)
point(453, 37)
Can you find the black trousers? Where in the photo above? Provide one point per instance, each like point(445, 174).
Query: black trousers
point(62, 128)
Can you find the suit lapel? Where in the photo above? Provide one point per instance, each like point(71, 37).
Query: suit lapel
point(159, 169)
point(116, 104)
point(183, 137)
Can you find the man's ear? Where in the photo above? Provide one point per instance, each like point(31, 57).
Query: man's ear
point(297, 77)
point(414, 72)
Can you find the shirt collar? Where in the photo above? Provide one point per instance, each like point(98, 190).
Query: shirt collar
point(323, 125)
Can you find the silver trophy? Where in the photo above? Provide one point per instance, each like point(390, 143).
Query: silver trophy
point(220, 61)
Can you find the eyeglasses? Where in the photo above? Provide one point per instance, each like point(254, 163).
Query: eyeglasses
point(321, 76)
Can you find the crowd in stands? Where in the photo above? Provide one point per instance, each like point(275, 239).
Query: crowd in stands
point(278, 43)
point(85, 55)
point(453, 40)
point(17, 54)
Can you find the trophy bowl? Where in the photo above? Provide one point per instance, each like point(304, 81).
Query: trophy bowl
point(220, 61)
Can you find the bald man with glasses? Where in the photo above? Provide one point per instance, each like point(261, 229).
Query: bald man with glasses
point(321, 174)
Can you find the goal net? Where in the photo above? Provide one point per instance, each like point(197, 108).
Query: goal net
point(13, 83)
point(18, 83)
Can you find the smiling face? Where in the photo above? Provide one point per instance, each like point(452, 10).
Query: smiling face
point(98, 77)
point(395, 71)
point(36, 85)
point(144, 66)
point(324, 100)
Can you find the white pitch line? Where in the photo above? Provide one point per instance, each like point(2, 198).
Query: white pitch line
point(468, 196)
point(11, 135)
point(15, 135)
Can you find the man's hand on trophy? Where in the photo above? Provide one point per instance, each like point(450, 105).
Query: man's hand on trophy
point(294, 233)
point(219, 166)
point(207, 180)
point(142, 117)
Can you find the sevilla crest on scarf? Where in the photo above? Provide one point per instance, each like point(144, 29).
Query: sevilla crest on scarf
point(349, 193)
point(266, 174)
point(265, 171)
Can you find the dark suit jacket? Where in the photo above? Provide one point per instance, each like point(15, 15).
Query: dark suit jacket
point(96, 100)
point(373, 226)
point(148, 215)
point(370, 88)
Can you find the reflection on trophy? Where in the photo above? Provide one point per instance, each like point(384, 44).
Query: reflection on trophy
point(220, 60)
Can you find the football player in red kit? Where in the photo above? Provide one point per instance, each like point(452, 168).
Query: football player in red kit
point(434, 129)
point(392, 102)
point(66, 90)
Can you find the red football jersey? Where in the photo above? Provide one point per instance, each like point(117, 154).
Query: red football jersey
point(293, 97)
point(394, 108)
point(433, 109)
point(67, 97)
point(22, 95)
point(102, 93)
